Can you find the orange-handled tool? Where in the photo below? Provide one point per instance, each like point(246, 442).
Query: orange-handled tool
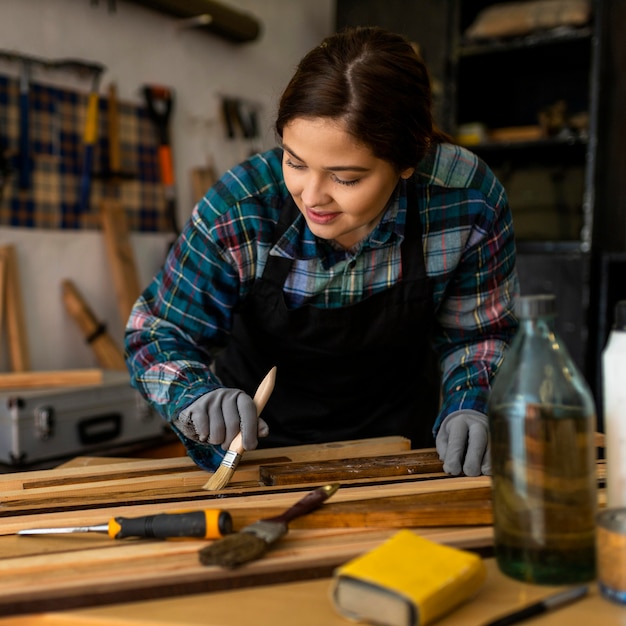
point(90, 139)
point(204, 524)
point(159, 103)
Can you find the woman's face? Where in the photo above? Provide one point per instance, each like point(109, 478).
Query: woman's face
point(339, 186)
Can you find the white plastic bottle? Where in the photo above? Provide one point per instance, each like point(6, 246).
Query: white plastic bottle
point(614, 402)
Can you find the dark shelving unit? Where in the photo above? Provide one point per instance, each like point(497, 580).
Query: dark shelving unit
point(505, 84)
point(567, 192)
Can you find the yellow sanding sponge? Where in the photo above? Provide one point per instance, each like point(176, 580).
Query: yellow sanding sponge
point(406, 581)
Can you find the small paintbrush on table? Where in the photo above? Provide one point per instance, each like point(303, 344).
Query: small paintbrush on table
point(252, 542)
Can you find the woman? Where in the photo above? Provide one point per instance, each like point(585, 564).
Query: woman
point(366, 257)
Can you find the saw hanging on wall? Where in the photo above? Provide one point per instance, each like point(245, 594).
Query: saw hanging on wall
point(216, 17)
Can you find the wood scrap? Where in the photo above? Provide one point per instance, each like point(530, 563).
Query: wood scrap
point(412, 462)
point(107, 353)
point(13, 306)
point(52, 378)
point(120, 254)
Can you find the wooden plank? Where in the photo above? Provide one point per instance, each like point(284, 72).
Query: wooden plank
point(59, 378)
point(38, 503)
point(248, 507)
point(311, 452)
point(352, 448)
point(14, 312)
point(463, 507)
point(106, 351)
point(310, 602)
point(125, 571)
point(412, 462)
point(156, 480)
point(120, 254)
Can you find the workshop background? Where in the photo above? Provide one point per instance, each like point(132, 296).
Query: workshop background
point(535, 87)
point(137, 46)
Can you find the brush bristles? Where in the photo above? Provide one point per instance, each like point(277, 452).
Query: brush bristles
point(233, 550)
point(221, 477)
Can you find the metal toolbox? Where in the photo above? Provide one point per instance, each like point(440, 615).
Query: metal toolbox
point(52, 423)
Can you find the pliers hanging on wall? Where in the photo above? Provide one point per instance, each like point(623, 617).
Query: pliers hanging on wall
point(159, 103)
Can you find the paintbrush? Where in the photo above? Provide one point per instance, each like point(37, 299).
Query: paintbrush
point(252, 542)
point(222, 475)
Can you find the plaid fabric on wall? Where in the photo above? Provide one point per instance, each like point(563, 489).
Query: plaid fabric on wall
point(56, 126)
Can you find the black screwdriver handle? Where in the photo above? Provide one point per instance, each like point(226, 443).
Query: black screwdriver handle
point(206, 524)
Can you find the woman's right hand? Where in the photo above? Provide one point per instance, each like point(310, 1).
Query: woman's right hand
point(217, 416)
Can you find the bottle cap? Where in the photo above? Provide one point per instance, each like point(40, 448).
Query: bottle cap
point(620, 315)
point(537, 305)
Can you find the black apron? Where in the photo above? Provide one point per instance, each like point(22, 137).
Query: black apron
point(359, 371)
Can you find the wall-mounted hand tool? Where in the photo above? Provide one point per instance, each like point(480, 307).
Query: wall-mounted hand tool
point(25, 160)
point(216, 17)
point(159, 103)
point(90, 138)
point(6, 167)
point(112, 171)
point(240, 118)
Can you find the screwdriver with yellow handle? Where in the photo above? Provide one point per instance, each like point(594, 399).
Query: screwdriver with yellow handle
point(204, 524)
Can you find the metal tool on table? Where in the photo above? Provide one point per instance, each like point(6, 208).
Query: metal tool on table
point(253, 541)
point(159, 102)
point(204, 524)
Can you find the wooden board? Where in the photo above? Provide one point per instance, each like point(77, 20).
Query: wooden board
point(59, 378)
point(108, 354)
point(408, 463)
point(17, 338)
point(113, 572)
point(40, 573)
point(121, 255)
point(347, 506)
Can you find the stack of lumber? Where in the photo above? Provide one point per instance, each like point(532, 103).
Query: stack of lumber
point(384, 486)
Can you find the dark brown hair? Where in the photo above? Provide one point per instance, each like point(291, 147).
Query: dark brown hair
point(373, 81)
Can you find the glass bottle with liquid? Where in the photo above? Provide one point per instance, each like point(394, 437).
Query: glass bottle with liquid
point(542, 426)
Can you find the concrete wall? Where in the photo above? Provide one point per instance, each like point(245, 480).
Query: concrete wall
point(139, 46)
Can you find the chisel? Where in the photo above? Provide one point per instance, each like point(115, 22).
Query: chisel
point(205, 524)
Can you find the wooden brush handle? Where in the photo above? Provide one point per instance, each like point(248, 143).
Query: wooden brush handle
point(307, 504)
point(262, 395)
point(264, 390)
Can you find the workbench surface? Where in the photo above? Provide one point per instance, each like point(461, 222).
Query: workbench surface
point(308, 604)
point(89, 579)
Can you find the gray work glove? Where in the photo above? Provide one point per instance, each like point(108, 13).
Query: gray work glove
point(463, 444)
point(217, 416)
